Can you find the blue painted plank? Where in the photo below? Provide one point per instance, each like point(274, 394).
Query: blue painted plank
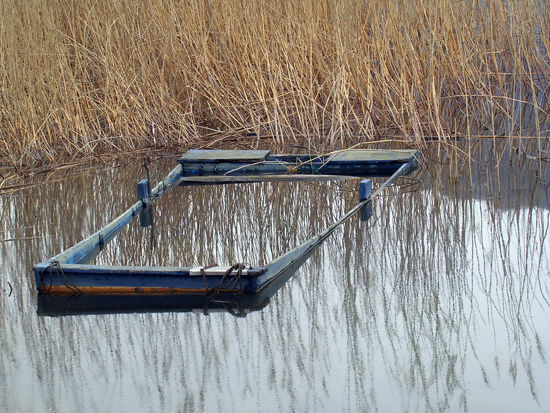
point(217, 156)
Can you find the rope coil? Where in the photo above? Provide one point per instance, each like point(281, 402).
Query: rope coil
point(59, 271)
point(236, 279)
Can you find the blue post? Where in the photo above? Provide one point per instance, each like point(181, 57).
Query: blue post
point(365, 189)
point(144, 190)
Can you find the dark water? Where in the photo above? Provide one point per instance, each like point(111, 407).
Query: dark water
point(440, 302)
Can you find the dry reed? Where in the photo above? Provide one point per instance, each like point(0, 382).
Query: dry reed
point(101, 77)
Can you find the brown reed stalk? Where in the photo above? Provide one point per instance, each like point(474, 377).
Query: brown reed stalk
point(99, 77)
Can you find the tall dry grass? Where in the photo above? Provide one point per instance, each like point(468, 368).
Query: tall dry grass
point(96, 76)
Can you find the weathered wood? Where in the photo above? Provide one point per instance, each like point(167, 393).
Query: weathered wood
point(373, 155)
point(71, 278)
point(68, 272)
point(352, 162)
point(239, 179)
point(217, 156)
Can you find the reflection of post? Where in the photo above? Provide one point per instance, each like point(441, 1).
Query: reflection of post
point(146, 220)
point(146, 217)
point(144, 195)
point(366, 211)
point(152, 239)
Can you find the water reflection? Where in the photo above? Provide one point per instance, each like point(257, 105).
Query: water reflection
point(237, 304)
point(439, 302)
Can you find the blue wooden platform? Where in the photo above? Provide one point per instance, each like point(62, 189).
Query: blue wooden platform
point(69, 273)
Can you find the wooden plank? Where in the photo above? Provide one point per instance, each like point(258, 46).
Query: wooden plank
point(97, 278)
point(373, 155)
point(219, 271)
point(217, 156)
point(241, 179)
point(360, 163)
point(130, 270)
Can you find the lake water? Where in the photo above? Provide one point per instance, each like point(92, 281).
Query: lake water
point(439, 302)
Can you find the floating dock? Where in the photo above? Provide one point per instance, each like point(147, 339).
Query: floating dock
point(70, 273)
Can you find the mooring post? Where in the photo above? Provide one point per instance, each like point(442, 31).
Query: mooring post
point(144, 195)
point(144, 190)
point(365, 189)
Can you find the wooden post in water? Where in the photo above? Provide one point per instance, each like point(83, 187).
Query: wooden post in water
point(365, 191)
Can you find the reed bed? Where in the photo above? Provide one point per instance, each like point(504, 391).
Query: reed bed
point(90, 77)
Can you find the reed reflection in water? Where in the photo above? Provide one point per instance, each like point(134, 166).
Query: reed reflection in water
point(440, 302)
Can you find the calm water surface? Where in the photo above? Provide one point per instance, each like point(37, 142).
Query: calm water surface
point(440, 302)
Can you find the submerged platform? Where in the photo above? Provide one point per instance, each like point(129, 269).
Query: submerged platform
point(69, 273)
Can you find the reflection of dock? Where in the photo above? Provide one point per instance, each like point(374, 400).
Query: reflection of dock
point(69, 274)
point(238, 304)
